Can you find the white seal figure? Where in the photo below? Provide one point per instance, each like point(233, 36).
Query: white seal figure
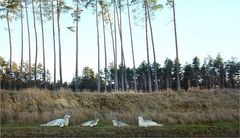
point(58, 122)
point(90, 123)
point(147, 123)
point(119, 123)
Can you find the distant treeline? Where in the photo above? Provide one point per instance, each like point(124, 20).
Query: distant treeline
point(213, 73)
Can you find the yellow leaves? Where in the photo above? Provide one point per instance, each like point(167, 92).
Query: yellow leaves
point(154, 1)
point(157, 7)
point(14, 67)
point(12, 6)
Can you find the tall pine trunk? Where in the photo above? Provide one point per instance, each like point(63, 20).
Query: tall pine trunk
point(10, 47)
point(123, 58)
point(119, 19)
point(21, 66)
point(113, 44)
point(76, 72)
point(121, 41)
point(36, 41)
point(147, 48)
point(105, 48)
point(154, 53)
point(134, 69)
point(176, 44)
point(115, 36)
point(29, 46)
point(43, 46)
point(98, 45)
point(59, 40)
point(54, 47)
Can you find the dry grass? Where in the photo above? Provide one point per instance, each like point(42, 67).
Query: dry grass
point(36, 106)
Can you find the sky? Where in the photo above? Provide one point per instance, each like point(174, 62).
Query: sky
point(204, 27)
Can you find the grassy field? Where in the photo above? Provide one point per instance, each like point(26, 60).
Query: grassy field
point(193, 113)
point(216, 129)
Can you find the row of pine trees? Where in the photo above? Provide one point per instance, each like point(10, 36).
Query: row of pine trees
point(118, 77)
point(109, 12)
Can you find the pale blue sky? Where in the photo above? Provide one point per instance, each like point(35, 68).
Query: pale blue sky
point(204, 27)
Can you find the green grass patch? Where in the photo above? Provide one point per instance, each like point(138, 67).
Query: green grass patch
point(223, 124)
point(105, 129)
point(215, 124)
point(104, 124)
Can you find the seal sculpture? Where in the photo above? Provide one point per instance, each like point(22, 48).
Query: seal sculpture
point(119, 123)
point(147, 123)
point(58, 122)
point(90, 123)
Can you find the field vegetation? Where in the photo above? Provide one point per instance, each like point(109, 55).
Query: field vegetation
point(192, 113)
